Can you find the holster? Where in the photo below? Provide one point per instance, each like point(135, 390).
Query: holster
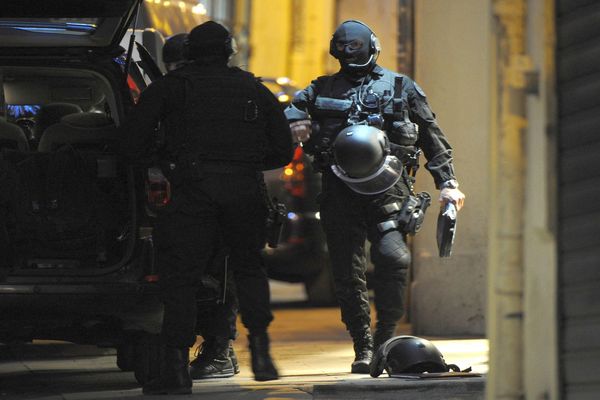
point(408, 216)
point(274, 224)
point(276, 214)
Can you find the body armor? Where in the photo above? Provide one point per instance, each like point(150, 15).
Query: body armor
point(222, 120)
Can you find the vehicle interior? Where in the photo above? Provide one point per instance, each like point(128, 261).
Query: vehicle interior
point(70, 210)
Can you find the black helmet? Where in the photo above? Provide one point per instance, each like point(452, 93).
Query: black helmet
point(172, 51)
point(362, 160)
point(210, 39)
point(408, 354)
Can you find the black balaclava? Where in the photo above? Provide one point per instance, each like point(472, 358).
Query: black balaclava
point(210, 41)
point(356, 62)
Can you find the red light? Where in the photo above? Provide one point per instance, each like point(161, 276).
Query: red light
point(133, 89)
point(151, 278)
point(158, 188)
point(293, 174)
point(298, 153)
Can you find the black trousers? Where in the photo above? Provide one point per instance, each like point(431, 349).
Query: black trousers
point(186, 234)
point(217, 299)
point(349, 219)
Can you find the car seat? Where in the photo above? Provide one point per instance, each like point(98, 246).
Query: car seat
point(83, 130)
point(50, 114)
point(12, 137)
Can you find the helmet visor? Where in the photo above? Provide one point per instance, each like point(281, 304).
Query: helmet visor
point(384, 178)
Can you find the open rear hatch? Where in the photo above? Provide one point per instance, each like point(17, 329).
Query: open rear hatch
point(62, 24)
point(66, 199)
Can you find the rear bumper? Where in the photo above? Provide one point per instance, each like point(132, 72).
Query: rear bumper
point(59, 311)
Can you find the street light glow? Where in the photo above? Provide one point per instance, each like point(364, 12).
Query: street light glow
point(199, 9)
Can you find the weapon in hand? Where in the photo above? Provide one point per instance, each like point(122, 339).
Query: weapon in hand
point(446, 229)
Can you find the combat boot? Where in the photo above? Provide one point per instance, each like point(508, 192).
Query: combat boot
point(363, 351)
point(213, 361)
point(262, 364)
point(383, 333)
point(175, 376)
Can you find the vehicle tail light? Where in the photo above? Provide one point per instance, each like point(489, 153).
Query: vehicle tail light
point(293, 174)
point(133, 89)
point(151, 278)
point(158, 188)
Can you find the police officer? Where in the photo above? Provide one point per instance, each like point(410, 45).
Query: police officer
point(360, 207)
point(172, 52)
point(224, 126)
point(216, 320)
point(216, 299)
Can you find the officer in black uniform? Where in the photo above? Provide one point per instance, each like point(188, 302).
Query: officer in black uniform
point(224, 127)
point(216, 299)
point(216, 321)
point(368, 204)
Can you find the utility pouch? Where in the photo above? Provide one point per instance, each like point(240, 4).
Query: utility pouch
point(404, 132)
point(274, 224)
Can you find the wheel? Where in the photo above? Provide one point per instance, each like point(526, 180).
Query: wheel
point(149, 354)
point(320, 289)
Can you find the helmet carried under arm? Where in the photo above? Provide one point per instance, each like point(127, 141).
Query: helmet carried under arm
point(362, 160)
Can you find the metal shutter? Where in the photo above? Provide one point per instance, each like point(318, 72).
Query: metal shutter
point(578, 86)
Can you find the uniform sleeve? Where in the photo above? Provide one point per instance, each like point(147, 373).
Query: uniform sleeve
point(138, 130)
point(305, 99)
point(279, 150)
point(432, 140)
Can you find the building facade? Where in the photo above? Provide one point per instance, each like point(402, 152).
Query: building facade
point(514, 84)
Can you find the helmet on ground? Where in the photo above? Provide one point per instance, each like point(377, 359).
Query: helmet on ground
point(408, 354)
point(362, 160)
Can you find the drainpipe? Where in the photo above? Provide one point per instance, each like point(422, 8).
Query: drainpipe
point(505, 272)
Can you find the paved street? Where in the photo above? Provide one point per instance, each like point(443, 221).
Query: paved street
point(310, 347)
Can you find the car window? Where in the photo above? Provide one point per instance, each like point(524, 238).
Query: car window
point(65, 26)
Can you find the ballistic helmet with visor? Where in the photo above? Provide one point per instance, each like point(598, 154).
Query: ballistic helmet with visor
point(362, 160)
point(408, 354)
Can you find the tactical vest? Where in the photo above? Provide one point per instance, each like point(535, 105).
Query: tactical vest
point(222, 119)
point(332, 107)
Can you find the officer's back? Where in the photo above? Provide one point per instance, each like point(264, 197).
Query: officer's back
point(221, 128)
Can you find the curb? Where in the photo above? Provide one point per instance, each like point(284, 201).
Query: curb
point(463, 388)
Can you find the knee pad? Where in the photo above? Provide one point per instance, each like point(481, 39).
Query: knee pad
point(391, 251)
point(395, 258)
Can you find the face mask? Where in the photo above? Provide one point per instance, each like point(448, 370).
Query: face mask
point(351, 46)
